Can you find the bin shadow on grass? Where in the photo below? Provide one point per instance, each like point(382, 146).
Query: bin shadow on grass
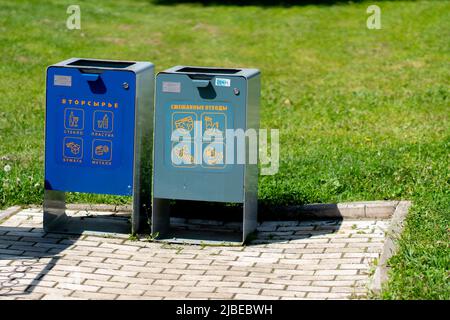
point(32, 253)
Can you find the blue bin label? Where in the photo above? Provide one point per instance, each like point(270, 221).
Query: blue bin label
point(96, 135)
point(65, 81)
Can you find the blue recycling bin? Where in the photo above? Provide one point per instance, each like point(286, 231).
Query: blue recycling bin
point(98, 135)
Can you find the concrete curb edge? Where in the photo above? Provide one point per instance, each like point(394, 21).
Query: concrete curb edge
point(390, 246)
point(5, 214)
point(344, 210)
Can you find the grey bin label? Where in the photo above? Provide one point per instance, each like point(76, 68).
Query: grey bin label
point(65, 81)
point(221, 82)
point(173, 87)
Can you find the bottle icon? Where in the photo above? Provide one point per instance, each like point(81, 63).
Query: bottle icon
point(104, 123)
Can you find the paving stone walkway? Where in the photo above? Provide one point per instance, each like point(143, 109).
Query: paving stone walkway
point(320, 259)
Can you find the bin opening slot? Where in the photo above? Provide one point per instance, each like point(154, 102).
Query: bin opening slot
point(200, 76)
point(101, 64)
point(90, 71)
point(208, 70)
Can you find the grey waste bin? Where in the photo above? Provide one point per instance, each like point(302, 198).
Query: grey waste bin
point(195, 110)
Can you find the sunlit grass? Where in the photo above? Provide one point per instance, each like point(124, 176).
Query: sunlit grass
point(363, 114)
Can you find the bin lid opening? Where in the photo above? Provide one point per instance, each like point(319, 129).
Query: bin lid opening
point(208, 70)
point(101, 63)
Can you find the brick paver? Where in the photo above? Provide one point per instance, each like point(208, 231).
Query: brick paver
point(321, 259)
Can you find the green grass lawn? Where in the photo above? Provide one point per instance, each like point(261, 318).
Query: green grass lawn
point(363, 114)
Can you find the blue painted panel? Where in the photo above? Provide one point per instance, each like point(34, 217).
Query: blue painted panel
point(90, 131)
